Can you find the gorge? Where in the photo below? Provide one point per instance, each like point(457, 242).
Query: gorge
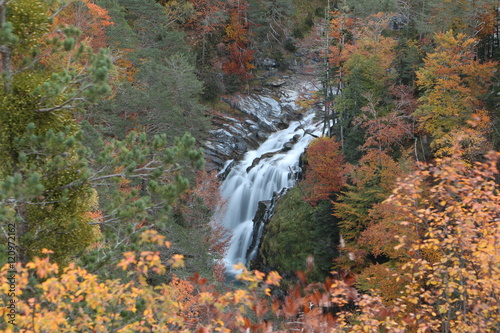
point(264, 171)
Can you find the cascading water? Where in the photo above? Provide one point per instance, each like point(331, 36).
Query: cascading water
point(243, 188)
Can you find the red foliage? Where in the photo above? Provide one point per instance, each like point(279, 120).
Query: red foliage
point(341, 26)
point(237, 44)
point(203, 206)
point(91, 19)
point(199, 203)
point(206, 19)
point(326, 172)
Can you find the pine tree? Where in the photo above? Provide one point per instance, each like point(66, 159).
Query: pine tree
point(50, 180)
point(44, 80)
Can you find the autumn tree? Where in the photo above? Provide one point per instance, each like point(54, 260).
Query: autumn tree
point(366, 221)
point(449, 279)
point(325, 173)
point(446, 241)
point(90, 19)
point(208, 20)
point(366, 65)
point(64, 300)
point(454, 86)
point(454, 209)
point(338, 46)
point(237, 42)
point(370, 182)
point(389, 131)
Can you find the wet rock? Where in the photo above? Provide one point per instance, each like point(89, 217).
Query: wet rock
point(266, 63)
point(287, 146)
point(276, 83)
point(250, 122)
point(223, 175)
point(261, 114)
point(262, 135)
point(262, 217)
point(240, 147)
point(267, 126)
point(258, 159)
point(254, 163)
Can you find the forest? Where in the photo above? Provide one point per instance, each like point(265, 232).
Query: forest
point(110, 192)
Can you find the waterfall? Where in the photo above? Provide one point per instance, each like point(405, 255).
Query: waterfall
point(249, 182)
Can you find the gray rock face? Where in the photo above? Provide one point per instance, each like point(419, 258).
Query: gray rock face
point(266, 63)
point(262, 217)
point(259, 115)
point(276, 83)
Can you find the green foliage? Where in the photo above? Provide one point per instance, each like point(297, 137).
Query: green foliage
point(41, 146)
point(289, 237)
point(44, 160)
point(371, 183)
point(138, 179)
point(51, 207)
point(409, 59)
point(348, 106)
point(353, 206)
point(300, 237)
point(164, 97)
point(29, 20)
point(271, 22)
point(327, 239)
point(367, 7)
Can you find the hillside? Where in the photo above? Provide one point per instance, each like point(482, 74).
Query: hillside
point(138, 136)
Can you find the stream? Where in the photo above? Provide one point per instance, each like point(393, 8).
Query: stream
point(243, 188)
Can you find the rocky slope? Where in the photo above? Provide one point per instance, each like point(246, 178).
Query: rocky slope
point(256, 115)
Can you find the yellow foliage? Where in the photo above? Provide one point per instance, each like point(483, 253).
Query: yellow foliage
point(450, 281)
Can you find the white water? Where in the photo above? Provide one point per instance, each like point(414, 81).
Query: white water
point(242, 191)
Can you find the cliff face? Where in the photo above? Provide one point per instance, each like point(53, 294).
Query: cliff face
point(256, 115)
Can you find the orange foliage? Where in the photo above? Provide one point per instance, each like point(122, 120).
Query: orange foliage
point(126, 68)
point(382, 278)
point(454, 84)
point(199, 204)
point(366, 40)
point(385, 224)
point(341, 30)
point(453, 271)
point(97, 215)
point(91, 19)
point(239, 53)
point(376, 166)
point(184, 295)
point(326, 172)
point(450, 278)
point(384, 132)
point(206, 18)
